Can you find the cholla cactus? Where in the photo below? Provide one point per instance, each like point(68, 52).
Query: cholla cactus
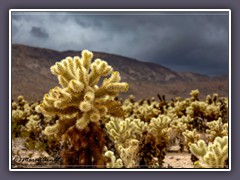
point(178, 126)
point(211, 156)
point(79, 96)
point(190, 137)
point(194, 94)
point(126, 134)
point(20, 110)
point(160, 126)
point(128, 153)
point(80, 104)
point(216, 129)
point(179, 108)
point(33, 123)
point(154, 141)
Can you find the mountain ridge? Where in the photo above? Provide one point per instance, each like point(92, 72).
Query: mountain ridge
point(31, 76)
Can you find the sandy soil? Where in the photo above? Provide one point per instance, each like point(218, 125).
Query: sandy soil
point(22, 158)
point(178, 160)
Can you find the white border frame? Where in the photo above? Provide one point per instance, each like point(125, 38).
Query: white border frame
point(116, 10)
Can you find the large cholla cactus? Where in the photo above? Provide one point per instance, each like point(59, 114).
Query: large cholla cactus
point(79, 96)
point(80, 102)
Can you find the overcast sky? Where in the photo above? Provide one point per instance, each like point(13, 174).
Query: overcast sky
point(183, 41)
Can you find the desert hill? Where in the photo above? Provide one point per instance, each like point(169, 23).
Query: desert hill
point(31, 76)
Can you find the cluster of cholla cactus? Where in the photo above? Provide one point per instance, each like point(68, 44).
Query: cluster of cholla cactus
point(24, 118)
point(94, 129)
point(189, 120)
point(29, 124)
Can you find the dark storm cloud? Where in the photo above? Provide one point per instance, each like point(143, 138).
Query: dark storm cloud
point(182, 41)
point(199, 46)
point(38, 32)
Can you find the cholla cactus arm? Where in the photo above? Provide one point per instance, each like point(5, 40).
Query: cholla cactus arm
point(113, 127)
point(223, 141)
point(51, 130)
point(98, 68)
point(199, 149)
point(114, 163)
point(110, 107)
